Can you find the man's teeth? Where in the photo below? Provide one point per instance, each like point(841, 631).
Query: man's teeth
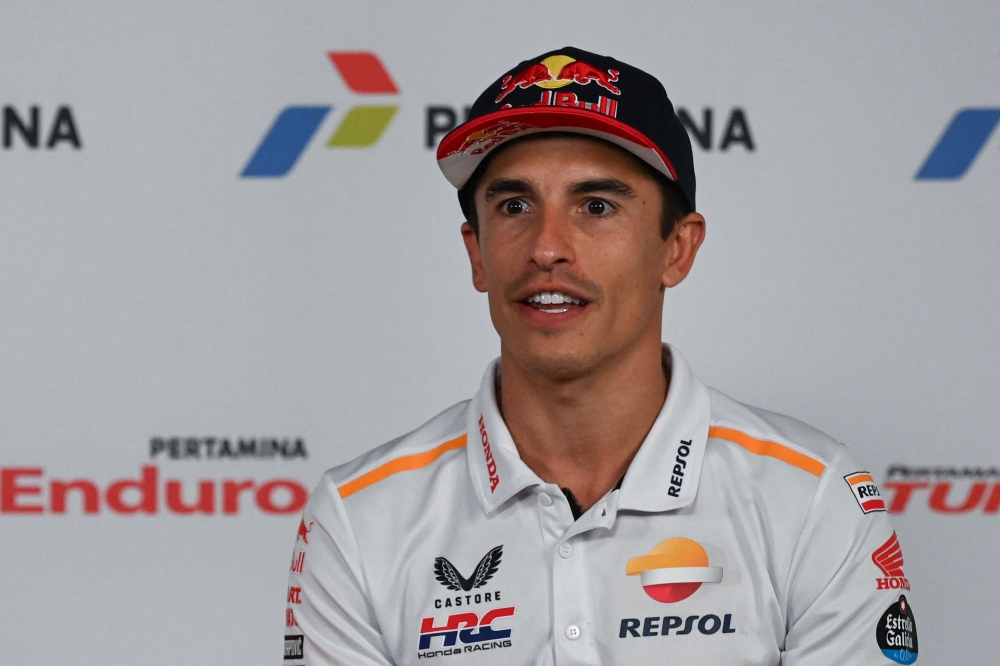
point(553, 298)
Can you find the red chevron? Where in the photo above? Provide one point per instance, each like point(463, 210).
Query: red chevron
point(889, 557)
point(363, 72)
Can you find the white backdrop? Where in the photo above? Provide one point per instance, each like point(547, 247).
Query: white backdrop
point(147, 290)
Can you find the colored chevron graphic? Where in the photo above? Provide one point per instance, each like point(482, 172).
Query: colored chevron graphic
point(293, 129)
point(960, 144)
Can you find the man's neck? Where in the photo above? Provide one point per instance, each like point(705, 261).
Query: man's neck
point(582, 434)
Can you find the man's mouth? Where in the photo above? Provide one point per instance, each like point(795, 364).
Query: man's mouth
point(553, 302)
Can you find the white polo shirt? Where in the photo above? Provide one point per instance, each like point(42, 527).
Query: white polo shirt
point(737, 536)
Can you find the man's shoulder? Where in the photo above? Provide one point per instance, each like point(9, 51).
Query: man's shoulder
point(429, 444)
point(769, 435)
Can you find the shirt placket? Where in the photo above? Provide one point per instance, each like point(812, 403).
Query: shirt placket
point(573, 620)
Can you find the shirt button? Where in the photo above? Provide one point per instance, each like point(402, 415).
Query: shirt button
point(544, 499)
point(572, 632)
point(565, 550)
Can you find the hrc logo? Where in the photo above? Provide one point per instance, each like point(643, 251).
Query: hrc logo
point(467, 627)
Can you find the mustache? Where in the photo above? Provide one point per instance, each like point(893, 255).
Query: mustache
point(588, 289)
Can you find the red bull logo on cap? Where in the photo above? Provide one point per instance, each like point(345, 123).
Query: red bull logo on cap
point(558, 71)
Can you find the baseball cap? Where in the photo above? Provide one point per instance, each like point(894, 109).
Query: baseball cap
point(571, 90)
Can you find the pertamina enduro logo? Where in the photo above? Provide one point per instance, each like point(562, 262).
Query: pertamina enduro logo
point(673, 571)
point(362, 126)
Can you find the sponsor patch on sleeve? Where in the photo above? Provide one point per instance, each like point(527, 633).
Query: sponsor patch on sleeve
point(294, 647)
point(896, 633)
point(865, 491)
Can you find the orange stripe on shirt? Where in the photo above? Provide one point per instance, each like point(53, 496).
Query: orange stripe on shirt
point(403, 464)
point(771, 449)
point(855, 479)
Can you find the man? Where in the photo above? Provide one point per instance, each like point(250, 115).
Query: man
point(594, 503)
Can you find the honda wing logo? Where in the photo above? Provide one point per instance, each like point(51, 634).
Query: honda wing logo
point(448, 575)
point(889, 559)
point(295, 126)
point(960, 144)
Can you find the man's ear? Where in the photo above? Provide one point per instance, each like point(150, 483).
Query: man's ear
point(683, 244)
point(475, 257)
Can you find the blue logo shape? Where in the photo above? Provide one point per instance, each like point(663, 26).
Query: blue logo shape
point(288, 137)
point(901, 656)
point(958, 147)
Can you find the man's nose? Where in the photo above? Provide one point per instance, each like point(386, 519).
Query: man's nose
point(553, 242)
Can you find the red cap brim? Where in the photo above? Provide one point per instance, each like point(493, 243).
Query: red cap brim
point(466, 146)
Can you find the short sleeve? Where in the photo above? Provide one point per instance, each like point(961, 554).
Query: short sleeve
point(329, 618)
point(848, 599)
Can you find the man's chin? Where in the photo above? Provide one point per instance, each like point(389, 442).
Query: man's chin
point(556, 365)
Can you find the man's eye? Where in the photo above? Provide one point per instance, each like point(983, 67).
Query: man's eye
point(598, 207)
point(513, 207)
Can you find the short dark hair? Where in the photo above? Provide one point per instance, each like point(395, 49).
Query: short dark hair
point(675, 203)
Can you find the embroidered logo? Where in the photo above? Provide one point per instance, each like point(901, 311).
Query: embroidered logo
point(448, 575)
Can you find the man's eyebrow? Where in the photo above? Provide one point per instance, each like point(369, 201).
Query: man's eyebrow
point(507, 186)
point(610, 185)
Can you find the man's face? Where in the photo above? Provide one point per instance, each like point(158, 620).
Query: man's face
point(570, 253)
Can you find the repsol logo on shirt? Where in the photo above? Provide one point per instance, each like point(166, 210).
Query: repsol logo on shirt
point(680, 464)
point(673, 625)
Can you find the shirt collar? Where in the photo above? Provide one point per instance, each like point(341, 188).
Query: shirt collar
point(497, 471)
point(664, 474)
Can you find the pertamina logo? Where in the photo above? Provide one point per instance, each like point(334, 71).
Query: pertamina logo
point(672, 571)
point(889, 558)
point(24, 490)
point(960, 144)
point(950, 489)
point(293, 129)
point(865, 491)
point(29, 126)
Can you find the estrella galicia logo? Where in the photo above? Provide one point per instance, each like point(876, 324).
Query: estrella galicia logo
point(448, 575)
point(295, 126)
point(960, 144)
point(896, 633)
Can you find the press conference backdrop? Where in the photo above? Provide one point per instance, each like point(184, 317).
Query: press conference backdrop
point(228, 262)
